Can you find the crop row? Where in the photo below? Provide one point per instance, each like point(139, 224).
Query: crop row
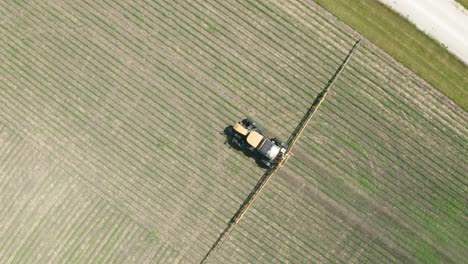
point(44, 106)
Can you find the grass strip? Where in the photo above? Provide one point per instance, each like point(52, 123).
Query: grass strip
point(403, 41)
point(464, 3)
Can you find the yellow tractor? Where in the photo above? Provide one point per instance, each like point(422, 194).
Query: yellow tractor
point(247, 136)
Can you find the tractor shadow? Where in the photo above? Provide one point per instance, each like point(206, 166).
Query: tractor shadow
point(229, 133)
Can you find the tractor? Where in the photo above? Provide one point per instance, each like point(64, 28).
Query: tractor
point(247, 136)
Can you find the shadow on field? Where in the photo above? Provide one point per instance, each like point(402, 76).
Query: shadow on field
point(229, 133)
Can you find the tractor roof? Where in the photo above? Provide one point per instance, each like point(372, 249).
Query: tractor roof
point(254, 138)
point(239, 128)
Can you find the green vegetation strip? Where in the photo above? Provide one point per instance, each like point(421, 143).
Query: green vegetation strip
point(464, 3)
point(406, 43)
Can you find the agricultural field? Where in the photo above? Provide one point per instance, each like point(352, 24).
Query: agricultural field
point(112, 147)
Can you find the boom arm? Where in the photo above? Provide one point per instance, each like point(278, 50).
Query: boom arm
point(318, 100)
point(270, 172)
